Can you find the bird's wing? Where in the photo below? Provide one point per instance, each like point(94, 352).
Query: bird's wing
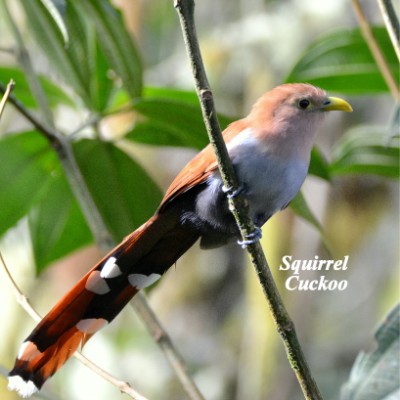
point(200, 167)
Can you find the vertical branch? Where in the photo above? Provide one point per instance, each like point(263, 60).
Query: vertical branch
point(239, 207)
point(186, 14)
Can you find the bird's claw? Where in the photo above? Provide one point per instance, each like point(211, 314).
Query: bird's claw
point(231, 193)
point(251, 238)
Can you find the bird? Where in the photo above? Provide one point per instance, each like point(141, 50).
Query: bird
point(270, 150)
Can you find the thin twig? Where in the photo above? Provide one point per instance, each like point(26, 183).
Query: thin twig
point(375, 50)
point(21, 298)
point(161, 337)
point(7, 50)
point(27, 306)
point(96, 118)
point(49, 133)
point(10, 87)
point(123, 386)
point(239, 207)
point(392, 23)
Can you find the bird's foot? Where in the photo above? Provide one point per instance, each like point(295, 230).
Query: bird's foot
point(251, 238)
point(231, 193)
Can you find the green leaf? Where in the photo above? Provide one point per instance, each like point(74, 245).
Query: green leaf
point(117, 44)
point(181, 98)
point(171, 117)
point(318, 165)
point(101, 86)
point(300, 207)
point(184, 96)
point(57, 226)
point(161, 134)
point(171, 122)
point(375, 375)
point(184, 119)
point(341, 61)
point(26, 160)
point(366, 150)
point(123, 192)
point(22, 92)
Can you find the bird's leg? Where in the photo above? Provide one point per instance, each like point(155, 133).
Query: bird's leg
point(251, 237)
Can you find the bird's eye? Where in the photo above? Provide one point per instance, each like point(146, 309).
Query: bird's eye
point(304, 103)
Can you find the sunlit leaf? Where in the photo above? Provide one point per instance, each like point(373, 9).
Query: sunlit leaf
point(179, 117)
point(341, 61)
point(367, 150)
point(170, 119)
point(160, 134)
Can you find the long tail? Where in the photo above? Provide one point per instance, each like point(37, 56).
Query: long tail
point(98, 297)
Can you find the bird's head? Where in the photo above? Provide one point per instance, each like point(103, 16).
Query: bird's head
point(289, 116)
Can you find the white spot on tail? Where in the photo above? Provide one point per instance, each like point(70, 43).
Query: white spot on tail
point(23, 388)
point(91, 325)
point(96, 283)
point(28, 351)
point(140, 281)
point(110, 269)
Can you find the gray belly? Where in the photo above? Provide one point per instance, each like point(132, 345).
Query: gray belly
point(269, 184)
point(272, 186)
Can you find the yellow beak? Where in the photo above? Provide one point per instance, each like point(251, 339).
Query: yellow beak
point(335, 103)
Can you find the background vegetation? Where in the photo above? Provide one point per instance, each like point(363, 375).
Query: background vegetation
point(117, 85)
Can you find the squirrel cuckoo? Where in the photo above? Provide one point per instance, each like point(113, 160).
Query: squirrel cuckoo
point(270, 151)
